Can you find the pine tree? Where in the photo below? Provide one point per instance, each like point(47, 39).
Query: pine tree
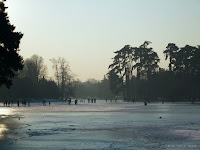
point(10, 60)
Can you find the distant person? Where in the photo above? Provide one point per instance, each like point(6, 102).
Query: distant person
point(95, 100)
point(163, 101)
point(44, 103)
point(92, 100)
point(76, 101)
point(70, 101)
point(146, 100)
point(49, 103)
point(18, 103)
point(88, 100)
point(12, 103)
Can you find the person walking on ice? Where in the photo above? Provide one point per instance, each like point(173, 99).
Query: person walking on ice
point(76, 101)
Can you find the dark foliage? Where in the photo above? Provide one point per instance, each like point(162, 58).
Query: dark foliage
point(10, 60)
point(180, 83)
point(27, 88)
point(94, 89)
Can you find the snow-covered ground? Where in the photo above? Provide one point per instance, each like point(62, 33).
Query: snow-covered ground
point(102, 125)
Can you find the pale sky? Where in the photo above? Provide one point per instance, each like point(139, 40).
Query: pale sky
point(87, 32)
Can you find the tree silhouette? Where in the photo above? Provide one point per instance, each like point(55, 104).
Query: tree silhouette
point(120, 69)
point(56, 68)
point(171, 52)
point(64, 77)
point(187, 62)
point(116, 83)
point(34, 68)
point(10, 60)
point(146, 61)
point(143, 59)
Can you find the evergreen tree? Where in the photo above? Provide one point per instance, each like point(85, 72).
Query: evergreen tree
point(10, 60)
point(171, 52)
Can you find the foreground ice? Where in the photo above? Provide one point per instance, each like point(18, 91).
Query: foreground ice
point(103, 126)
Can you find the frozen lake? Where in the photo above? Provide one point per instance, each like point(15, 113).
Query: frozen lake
point(102, 125)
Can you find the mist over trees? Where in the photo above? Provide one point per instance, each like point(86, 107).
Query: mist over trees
point(134, 74)
point(34, 68)
point(30, 82)
point(64, 78)
point(94, 89)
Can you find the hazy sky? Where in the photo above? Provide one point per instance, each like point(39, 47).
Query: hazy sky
point(87, 32)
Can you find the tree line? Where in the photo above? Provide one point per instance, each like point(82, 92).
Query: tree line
point(32, 81)
point(94, 89)
point(136, 74)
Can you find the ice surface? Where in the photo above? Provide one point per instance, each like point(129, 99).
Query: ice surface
point(102, 125)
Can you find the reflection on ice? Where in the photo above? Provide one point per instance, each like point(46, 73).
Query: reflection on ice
point(4, 111)
point(3, 128)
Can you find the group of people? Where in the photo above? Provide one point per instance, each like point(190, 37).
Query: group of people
point(111, 100)
point(8, 103)
point(24, 102)
point(81, 101)
point(44, 103)
point(92, 100)
point(89, 100)
point(11, 103)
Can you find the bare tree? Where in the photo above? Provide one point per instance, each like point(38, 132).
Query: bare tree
point(63, 76)
point(56, 68)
